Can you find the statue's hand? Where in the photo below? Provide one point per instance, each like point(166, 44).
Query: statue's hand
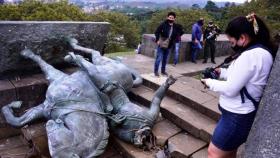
point(15, 104)
point(170, 80)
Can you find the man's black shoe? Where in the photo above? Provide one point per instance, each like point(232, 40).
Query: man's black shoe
point(213, 62)
point(156, 74)
point(193, 61)
point(204, 61)
point(164, 73)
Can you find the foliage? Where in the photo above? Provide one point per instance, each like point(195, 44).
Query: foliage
point(184, 17)
point(124, 32)
point(35, 10)
point(126, 29)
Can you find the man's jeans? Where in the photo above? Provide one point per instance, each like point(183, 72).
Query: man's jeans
point(195, 49)
point(176, 53)
point(162, 55)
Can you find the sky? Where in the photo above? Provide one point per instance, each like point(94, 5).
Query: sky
point(238, 1)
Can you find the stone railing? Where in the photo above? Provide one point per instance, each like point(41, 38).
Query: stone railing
point(149, 46)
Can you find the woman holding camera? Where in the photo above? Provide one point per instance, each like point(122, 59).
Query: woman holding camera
point(242, 85)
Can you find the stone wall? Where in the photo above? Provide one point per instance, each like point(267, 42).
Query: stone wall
point(46, 39)
point(264, 138)
point(149, 46)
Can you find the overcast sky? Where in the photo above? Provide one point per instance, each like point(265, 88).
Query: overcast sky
point(239, 1)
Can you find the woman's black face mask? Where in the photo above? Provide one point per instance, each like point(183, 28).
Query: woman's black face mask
point(237, 48)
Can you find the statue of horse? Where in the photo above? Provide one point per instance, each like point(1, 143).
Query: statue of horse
point(74, 107)
point(135, 122)
point(116, 70)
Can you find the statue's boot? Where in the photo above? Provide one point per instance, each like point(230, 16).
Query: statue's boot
point(50, 72)
point(159, 94)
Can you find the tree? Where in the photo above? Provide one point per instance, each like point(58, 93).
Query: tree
point(123, 33)
point(211, 7)
point(184, 17)
point(195, 6)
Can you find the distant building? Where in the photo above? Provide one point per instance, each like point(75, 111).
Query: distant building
point(1, 1)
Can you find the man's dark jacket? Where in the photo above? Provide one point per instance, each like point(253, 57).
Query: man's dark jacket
point(163, 31)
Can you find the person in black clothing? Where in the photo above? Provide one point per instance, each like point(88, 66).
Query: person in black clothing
point(166, 30)
point(209, 37)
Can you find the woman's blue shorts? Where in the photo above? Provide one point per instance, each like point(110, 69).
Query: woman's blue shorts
point(232, 129)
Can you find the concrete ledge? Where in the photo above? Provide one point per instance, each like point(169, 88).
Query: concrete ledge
point(148, 47)
point(46, 38)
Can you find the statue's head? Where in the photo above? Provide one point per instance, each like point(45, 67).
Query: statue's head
point(144, 137)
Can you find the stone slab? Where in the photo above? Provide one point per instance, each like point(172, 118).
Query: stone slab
point(36, 135)
point(264, 138)
point(31, 90)
point(148, 47)
point(16, 147)
point(130, 151)
point(186, 90)
point(163, 130)
point(203, 153)
point(190, 120)
point(183, 145)
point(213, 106)
point(46, 38)
point(7, 92)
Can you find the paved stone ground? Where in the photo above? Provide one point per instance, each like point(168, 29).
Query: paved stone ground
point(145, 65)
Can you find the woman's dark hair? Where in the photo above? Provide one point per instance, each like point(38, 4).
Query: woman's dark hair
point(172, 14)
point(241, 25)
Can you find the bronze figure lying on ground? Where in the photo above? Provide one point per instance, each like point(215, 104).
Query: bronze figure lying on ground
point(77, 106)
point(73, 106)
point(135, 122)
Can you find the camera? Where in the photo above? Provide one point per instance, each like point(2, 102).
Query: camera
point(210, 73)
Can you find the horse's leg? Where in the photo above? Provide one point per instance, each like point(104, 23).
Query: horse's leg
point(99, 78)
point(50, 72)
point(74, 44)
point(31, 115)
point(137, 79)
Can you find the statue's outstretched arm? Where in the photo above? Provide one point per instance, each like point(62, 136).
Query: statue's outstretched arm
point(31, 115)
point(159, 94)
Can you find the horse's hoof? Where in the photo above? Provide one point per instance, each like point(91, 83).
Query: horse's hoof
point(27, 53)
point(15, 104)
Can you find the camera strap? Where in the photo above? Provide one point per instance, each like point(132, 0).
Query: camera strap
point(245, 92)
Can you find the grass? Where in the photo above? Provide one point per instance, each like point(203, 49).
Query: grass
point(112, 55)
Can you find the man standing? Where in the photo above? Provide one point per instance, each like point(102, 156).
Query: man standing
point(196, 37)
point(165, 39)
point(209, 37)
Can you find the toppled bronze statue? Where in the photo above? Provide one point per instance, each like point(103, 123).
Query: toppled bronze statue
point(78, 105)
point(135, 122)
point(74, 107)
